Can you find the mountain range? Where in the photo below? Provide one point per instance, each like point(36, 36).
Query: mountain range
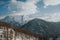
point(38, 26)
point(43, 27)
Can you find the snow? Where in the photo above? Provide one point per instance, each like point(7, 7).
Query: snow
point(56, 39)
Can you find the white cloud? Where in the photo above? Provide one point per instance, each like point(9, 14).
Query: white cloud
point(55, 17)
point(51, 2)
point(23, 8)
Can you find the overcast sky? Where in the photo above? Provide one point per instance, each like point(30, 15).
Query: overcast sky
point(45, 9)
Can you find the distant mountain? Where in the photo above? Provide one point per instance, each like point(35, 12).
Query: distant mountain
point(7, 19)
point(11, 21)
point(43, 27)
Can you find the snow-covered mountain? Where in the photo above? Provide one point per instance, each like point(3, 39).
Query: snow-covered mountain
point(38, 26)
point(7, 19)
point(11, 21)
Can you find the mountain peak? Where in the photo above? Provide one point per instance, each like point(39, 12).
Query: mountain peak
point(36, 25)
point(38, 19)
point(8, 19)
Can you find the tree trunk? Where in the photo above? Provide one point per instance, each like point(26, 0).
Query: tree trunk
point(7, 33)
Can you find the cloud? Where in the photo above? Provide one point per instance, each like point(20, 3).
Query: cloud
point(52, 17)
point(22, 8)
point(51, 2)
point(55, 17)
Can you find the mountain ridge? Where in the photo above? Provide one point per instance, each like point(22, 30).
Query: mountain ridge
point(35, 25)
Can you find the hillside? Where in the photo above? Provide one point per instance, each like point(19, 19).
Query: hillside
point(43, 27)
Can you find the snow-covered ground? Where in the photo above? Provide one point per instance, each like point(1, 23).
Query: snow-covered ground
point(56, 39)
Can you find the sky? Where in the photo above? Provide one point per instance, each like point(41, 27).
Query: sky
point(44, 9)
